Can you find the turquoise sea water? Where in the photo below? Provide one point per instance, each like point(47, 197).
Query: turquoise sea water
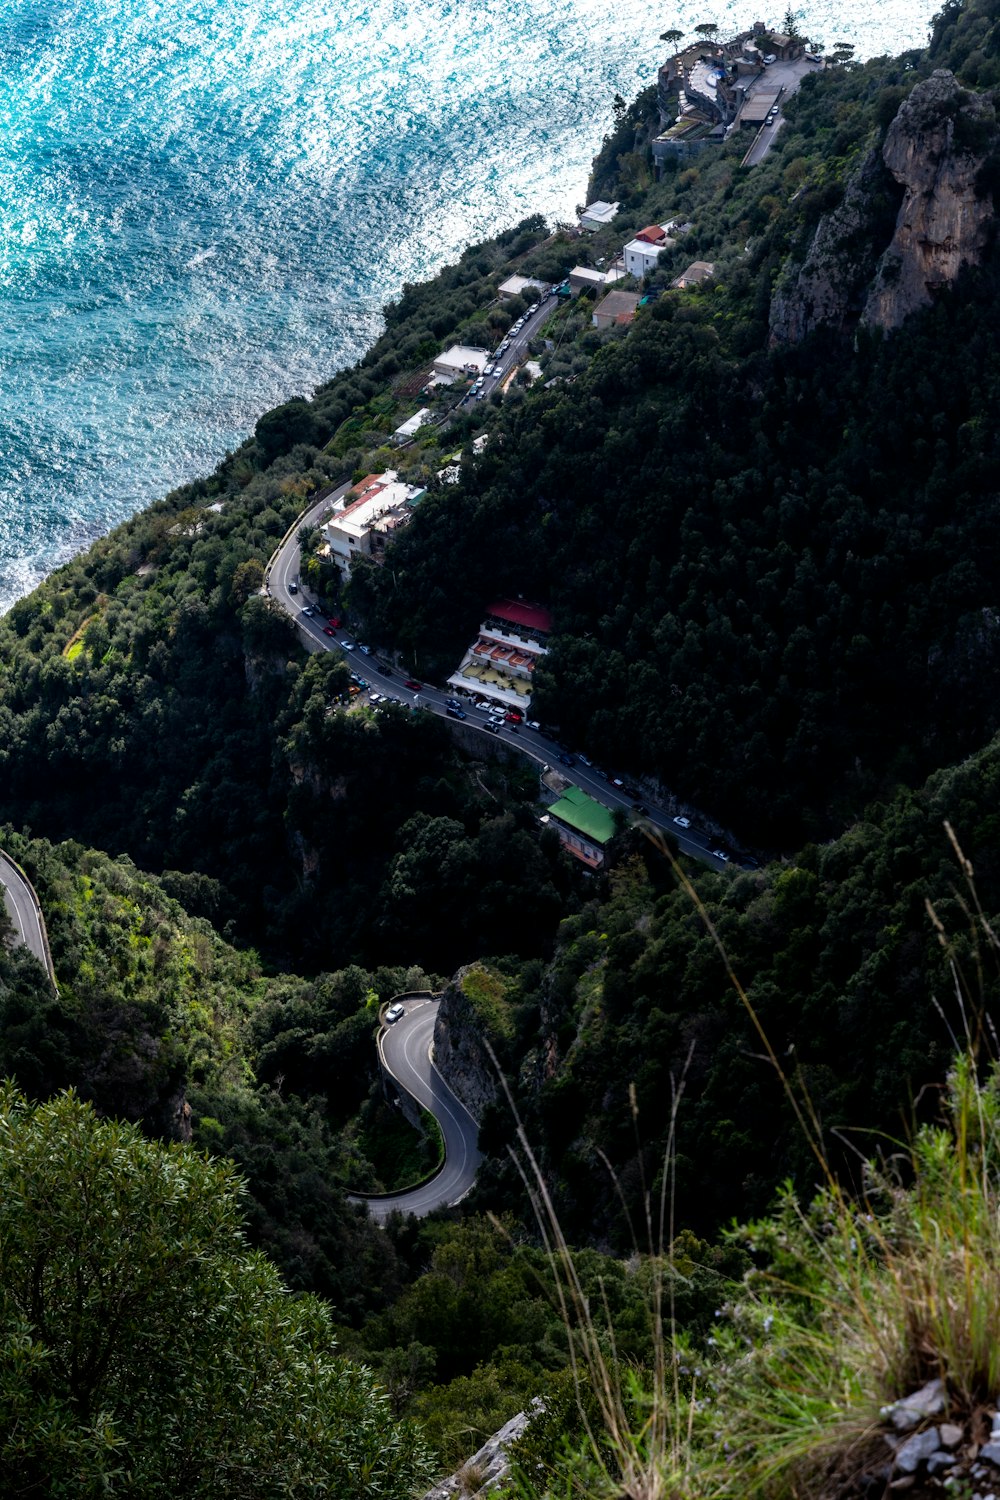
point(203, 204)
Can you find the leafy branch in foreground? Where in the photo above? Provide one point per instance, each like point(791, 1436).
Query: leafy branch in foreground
point(144, 1350)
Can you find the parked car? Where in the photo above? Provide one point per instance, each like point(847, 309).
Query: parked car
point(533, 724)
point(484, 704)
point(365, 650)
point(452, 703)
point(329, 630)
point(348, 646)
point(720, 854)
point(769, 59)
point(491, 726)
point(496, 712)
point(395, 1013)
point(683, 822)
point(564, 760)
point(512, 716)
point(374, 697)
point(309, 610)
point(617, 781)
point(455, 712)
point(413, 684)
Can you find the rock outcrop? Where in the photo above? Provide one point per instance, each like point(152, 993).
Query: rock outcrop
point(487, 1469)
point(912, 216)
point(935, 148)
point(831, 286)
point(460, 1035)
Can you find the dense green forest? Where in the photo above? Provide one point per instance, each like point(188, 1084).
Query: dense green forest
point(772, 570)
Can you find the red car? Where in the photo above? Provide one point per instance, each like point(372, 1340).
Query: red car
point(329, 630)
point(413, 684)
point(335, 622)
point(513, 717)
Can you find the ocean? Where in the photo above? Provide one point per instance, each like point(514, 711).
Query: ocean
point(205, 203)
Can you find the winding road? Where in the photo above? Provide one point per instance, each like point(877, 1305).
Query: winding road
point(24, 912)
point(406, 1052)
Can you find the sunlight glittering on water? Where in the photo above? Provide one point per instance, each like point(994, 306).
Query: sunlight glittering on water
point(204, 203)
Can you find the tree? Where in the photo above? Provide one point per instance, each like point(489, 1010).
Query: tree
point(672, 37)
point(790, 23)
point(843, 53)
point(144, 1351)
point(708, 31)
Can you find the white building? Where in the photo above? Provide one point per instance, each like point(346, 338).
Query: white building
point(585, 276)
point(514, 286)
point(377, 508)
point(459, 361)
point(407, 430)
point(597, 215)
point(500, 663)
point(641, 257)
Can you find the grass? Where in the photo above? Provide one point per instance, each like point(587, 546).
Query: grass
point(855, 1303)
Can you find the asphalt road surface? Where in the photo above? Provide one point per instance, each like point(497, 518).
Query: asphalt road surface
point(19, 899)
point(406, 1050)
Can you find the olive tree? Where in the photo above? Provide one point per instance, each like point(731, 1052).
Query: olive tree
point(145, 1351)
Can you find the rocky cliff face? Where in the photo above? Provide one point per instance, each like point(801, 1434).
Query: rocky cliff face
point(460, 1052)
point(869, 265)
point(935, 148)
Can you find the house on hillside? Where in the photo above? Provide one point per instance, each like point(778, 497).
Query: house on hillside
point(597, 215)
point(376, 510)
point(516, 286)
point(412, 425)
point(616, 307)
point(642, 253)
point(696, 273)
point(586, 828)
point(459, 362)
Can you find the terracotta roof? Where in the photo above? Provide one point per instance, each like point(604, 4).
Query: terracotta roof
point(653, 234)
point(533, 616)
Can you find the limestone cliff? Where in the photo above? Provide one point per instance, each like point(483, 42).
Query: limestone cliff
point(472, 1012)
point(912, 216)
point(935, 148)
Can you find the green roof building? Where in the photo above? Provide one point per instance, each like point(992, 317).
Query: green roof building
point(584, 826)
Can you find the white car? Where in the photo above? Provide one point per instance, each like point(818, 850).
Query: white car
point(720, 854)
point(532, 724)
point(395, 1013)
point(496, 712)
point(683, 822)
point(348, 646)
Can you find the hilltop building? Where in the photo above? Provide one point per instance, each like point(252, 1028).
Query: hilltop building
point(702, 91)
point(500, 663)
point(516, 286)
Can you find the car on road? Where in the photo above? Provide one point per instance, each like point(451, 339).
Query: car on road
point(617, 781)
point(564, 760)
point(455, 712)
point(348, 646)
point(512, 716)
point(365, 650)
point(719, 854)
point(683, 822)
point(293, 587)
point(413, 684)
point(329, 630)
point(309, 610)
point(395, 1013)
point(491, 726)
point(585, 760)
point(496, 712)
point(375, 697)
point(452, 703)
point(533, 724)
point(483, 704)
